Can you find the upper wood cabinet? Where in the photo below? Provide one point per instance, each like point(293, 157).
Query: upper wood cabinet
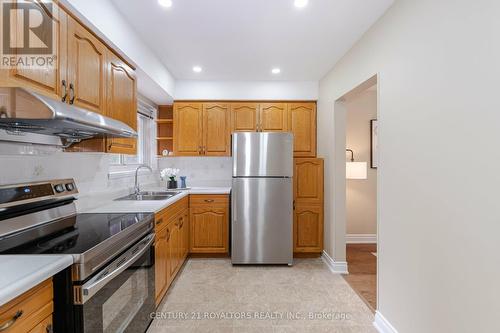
point(216, 129)
point(188, 139)
point(86, 68)
point(87, 74)
point(302, 123)
point(273, 117)
point(244, 117)
point(308, 180)
point(121, 102)
point(50, 79)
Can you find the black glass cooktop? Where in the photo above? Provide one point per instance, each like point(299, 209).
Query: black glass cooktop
point(76, 234)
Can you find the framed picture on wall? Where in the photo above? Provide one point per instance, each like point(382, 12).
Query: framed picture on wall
point(374, 143)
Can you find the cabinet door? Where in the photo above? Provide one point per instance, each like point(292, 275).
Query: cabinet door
point(46, 79)
point(188, 140)
point(122, 102)
point(273, 117)
point(86, 68)
point(161, 271)
point(173, 246)
point(308, 229)
point(184, 231)
point(244, 117)
point(209, 230)
point(308, 180)
point(216, 137)
point(302, 123)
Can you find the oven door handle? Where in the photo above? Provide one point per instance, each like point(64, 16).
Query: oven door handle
point(90, 288)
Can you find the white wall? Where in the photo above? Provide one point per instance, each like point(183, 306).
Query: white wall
point(361, 195)
point(201, 171)
point(261, 90)
point(154, 79)
point(438, 177)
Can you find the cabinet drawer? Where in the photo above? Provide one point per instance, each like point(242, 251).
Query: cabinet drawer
point(209, 199)
point(165, 216)
point(45, 326)
point(29, 309)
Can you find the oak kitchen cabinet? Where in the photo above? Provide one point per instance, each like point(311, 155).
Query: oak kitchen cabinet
point(202, 129)
point(48, 80)
point(172, 235)
point(244, 117)
point(30, 312)
point(209, 223)
point(87, 74)
point(302, 123)
point(273, 117)
point(121, 102)
point(308, 205)
point(86, 68)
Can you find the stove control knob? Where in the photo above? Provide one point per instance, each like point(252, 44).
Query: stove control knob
point(59, 188)
point(70, 187)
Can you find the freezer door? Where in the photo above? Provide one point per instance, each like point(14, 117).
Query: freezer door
point(262, 154)
point(262, 221)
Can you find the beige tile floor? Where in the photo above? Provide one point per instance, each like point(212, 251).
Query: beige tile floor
point(211, 295)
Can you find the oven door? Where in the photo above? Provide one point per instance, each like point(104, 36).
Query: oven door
point(120, 298)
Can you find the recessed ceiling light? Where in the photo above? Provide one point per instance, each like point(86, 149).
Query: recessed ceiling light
point(276, 71)
point(197, 69)
point(301, 3)
point(165, 3)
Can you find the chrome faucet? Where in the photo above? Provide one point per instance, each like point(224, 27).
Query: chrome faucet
point(136, 187)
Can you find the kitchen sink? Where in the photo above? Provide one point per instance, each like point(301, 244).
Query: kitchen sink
point(148, 196)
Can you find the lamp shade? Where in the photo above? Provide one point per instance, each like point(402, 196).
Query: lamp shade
point(356, 170)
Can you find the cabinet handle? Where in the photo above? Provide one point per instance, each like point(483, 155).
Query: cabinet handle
point(293, 204)
point(160, 221)
point(9, 323)
point(168, 235)
point(65, 91)
point(181, 222)
point(209, 200)
point(71, 93)
point(199, 150)
point(204, 150)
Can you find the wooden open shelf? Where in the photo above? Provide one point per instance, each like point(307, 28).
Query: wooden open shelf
point(165, 129)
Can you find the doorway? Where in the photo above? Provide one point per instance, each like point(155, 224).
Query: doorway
point(361, 140)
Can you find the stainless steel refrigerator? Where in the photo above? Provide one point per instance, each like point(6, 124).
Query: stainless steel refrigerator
point(261, 212)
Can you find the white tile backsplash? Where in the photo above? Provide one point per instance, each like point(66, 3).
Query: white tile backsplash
point(201, 171)
point(90, 171)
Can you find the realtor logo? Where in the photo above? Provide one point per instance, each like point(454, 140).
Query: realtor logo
point(27, 34)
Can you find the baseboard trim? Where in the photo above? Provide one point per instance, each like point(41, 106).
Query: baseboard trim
point(382, 324)
point(337, 267)
point(361, 239)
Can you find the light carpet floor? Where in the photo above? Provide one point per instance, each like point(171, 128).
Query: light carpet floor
point(211, 295)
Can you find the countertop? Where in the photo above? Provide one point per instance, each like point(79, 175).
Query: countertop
point(129, 206)
point(20, 273)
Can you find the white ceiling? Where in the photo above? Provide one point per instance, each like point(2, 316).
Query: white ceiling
point(242, 40)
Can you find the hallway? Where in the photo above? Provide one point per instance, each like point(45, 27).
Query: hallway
point(362, 275)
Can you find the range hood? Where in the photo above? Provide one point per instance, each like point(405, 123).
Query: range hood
point(25, 111)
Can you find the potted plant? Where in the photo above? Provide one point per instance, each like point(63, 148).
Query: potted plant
point(170, 175)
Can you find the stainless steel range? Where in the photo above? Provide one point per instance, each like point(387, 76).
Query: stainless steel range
point(110, 286)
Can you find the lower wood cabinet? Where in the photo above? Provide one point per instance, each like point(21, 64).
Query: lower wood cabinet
point(308, 206)
point(308, 229)
point(30, 312)
point(194, 224)
point(209, 223)
point(172, 232)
